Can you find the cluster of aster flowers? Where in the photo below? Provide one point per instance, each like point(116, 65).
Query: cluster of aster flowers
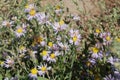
point(38, 44)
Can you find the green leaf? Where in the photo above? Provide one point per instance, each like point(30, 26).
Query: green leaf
point(0, 77)
point(116, 48)
point(41, 78)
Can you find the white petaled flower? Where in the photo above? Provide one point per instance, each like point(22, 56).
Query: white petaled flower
point(22, 49)
point(53, 56)
point(63, 46)
point(110, 77)
point(42, 18)
point(45, 54)
point(92, 61)
point(20, 31)
point(7, 23)
point(111, 60)
point(75, 37)
point(43, 69)
point(50, 45)
point(33, 73)
point(97, 32)
point(76, 18)
point(9, 62)
point(32, 54)
point(59, 26)
point(96, 53)
point(29, 7)
point(32, 14)
point(106, 36)
point(58, 10)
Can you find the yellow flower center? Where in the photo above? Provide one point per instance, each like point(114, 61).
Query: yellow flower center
point(95, 50)
point(34, 71)
point(39, 39)
point(32, 12)
point(22, 47)
point(44, 53)
point(43, 68)
point(1, 62)
point(52, 55)
point(27, 6)
point(57, 7)
point(118, 39)
point(88, 63)
point(97, 31)
point(74, 38)
point(19, 30)
point(61, 22)
point(50, 44)
point(108, 38)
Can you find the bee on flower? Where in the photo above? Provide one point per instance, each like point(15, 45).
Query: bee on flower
point(106, 36)
point(20, 31)
point(7, 23)
point(39, 40)
point(33, 74)
point(45, 54)
point(43, 69)
point(75, 37)
point(53, 56)
point(59, 26)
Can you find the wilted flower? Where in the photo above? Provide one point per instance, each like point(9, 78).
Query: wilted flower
point(9, 62)
point(43, 69)
point(39, 40)
point(7, 23)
